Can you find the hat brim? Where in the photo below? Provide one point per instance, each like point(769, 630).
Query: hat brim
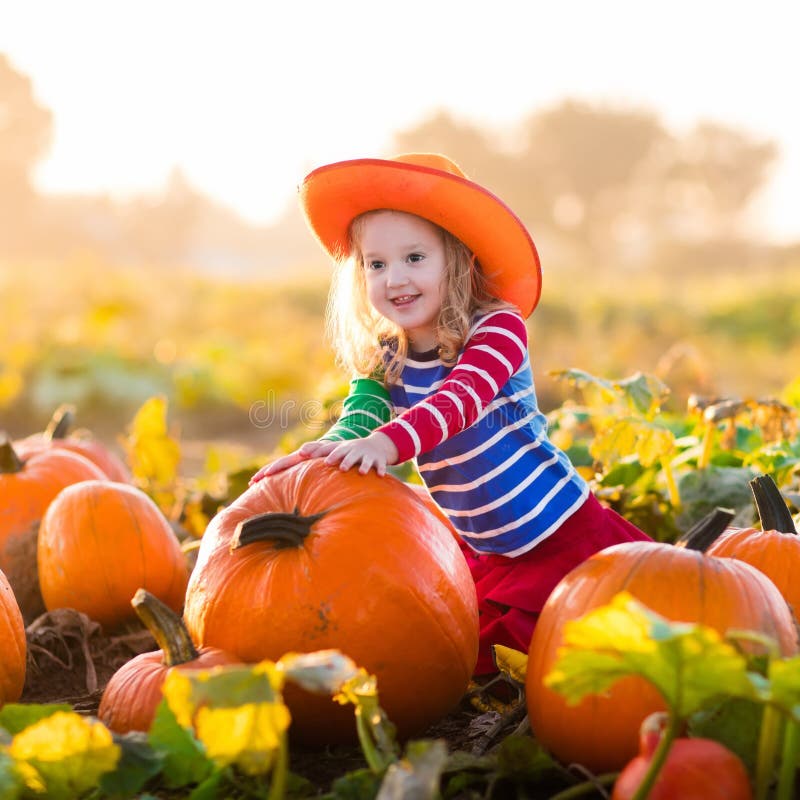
point(333, 195)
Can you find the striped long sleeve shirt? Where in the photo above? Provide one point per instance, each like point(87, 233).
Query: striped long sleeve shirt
point(479, 439)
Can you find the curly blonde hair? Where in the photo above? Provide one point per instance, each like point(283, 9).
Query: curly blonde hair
point(368, 344)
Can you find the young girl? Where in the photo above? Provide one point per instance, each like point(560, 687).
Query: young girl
point(435, 277)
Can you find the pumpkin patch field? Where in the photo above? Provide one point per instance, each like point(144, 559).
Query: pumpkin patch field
point(313, 635)
point(168, 631)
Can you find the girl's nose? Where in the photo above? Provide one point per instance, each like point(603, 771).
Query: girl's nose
point(396, 275)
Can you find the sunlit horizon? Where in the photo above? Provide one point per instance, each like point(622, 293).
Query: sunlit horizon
point(244, 102)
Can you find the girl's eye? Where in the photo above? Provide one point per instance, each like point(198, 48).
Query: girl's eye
point(374, 264)
point(415, 257)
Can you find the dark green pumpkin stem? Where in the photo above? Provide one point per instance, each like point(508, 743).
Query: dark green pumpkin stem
point(706, 531)
point(10, 462)
point(167, 628)
point(283, 530)
point(60, 423)
point(772, 509)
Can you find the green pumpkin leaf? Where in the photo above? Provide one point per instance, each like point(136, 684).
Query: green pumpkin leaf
point(64, 755)
point(784, 683)
point(359, 784)
point(735, 723)
point(706, 489)
point(523, 758)
point(11, 783)
point(184, 761)
point(645, 393)
point(689, 664)
point(15, 717)
point(138, 763)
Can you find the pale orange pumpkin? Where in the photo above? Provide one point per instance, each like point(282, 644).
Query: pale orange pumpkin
point(13, 646)
point(58, 434)
point(98, 543)
point(132, 695)
point(680, 583)
point(774, 549)
point(27, 487)
point(314, 558)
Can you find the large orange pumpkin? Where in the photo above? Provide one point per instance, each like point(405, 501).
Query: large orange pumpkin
point(774, 549)
point(12, 645)
point(425, 497)
point(27, 487)
point(682, 584)
point(98, 543)
point(58, 434)
point(132, 695)
point(314, 558)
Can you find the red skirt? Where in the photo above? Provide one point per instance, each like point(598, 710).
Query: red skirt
point(512, 591)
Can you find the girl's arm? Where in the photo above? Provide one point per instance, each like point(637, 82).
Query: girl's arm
point(366, 406)
point(493, 353)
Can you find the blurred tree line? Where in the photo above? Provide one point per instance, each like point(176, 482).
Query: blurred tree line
point(608, 185)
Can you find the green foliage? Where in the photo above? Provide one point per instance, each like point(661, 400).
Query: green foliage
point(690, 665)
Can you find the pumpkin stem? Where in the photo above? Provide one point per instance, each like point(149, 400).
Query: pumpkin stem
point(283, 530)
point(10, 462)
point(60, 423)
point(706, 531)
point(167, 628)
point(772, 509)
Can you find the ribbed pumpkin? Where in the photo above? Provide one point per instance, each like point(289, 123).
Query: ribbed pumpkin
point(27, 487)
point(132, 695)
point(682, 584)
point(314, 558)
point(13, 647)
point(58, 434)
point(98, 543)
point(774, 549)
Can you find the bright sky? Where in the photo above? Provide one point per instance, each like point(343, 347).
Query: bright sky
point(247, 96)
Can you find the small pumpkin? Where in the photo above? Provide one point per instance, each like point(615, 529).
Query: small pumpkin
point(132, 695)
point(13, 648)
point(682, 584)
point(314, 558)
point(27, 487)
point(774, 549)
point(695, 769)
point(99, 542)
point(59, 434)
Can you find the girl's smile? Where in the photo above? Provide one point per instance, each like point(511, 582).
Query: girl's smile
point(403, 257)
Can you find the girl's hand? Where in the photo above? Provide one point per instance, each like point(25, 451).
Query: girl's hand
point(375, 451)
point(308, 450)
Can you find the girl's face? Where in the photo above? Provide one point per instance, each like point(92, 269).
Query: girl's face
point(404, 265)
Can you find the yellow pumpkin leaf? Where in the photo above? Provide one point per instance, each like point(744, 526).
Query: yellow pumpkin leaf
point(361, 690)
point(226, 686)
point(248, 736)
point(152, 453)
point(513, 663)
point(64, 755)
point(649, 441)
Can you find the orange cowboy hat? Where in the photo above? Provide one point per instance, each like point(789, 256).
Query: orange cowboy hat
point(433, 187)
